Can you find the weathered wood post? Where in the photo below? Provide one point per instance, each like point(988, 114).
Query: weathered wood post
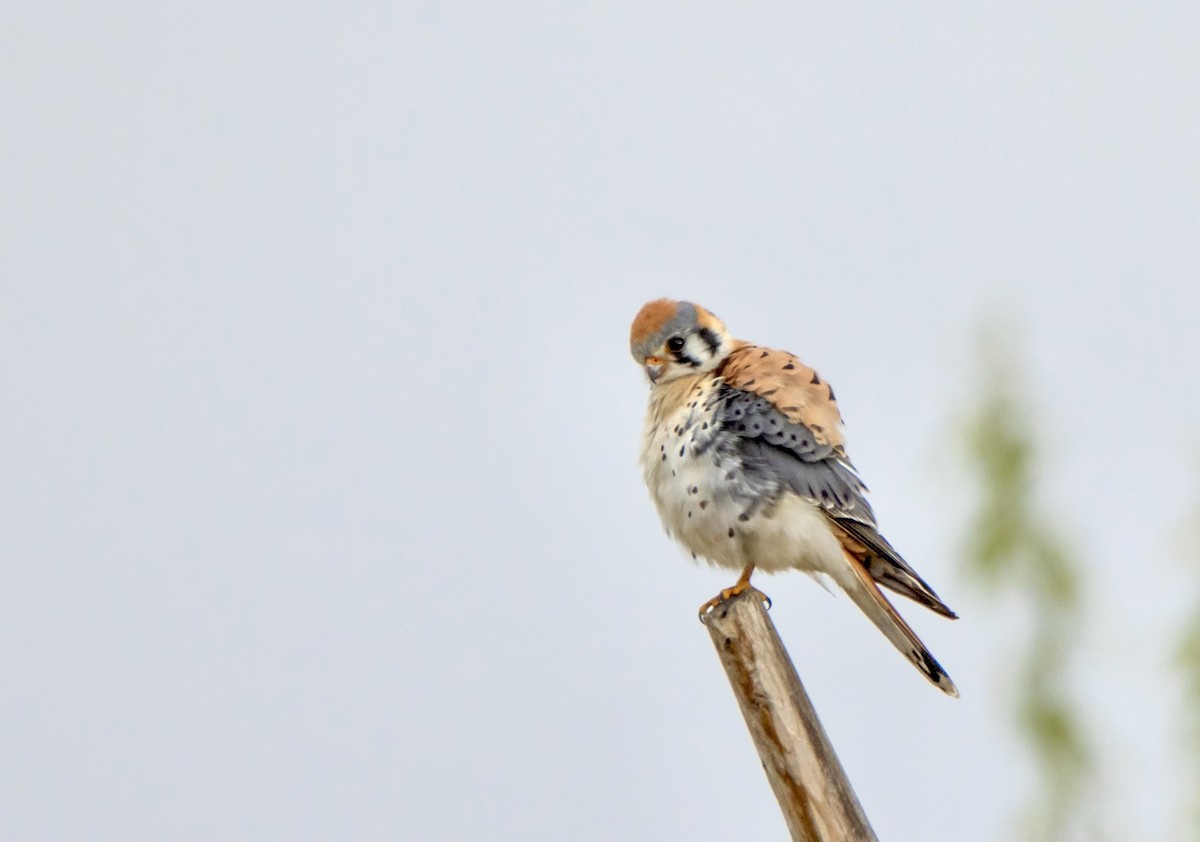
point(817, 801)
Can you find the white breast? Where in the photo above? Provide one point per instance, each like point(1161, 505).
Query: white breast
point(688, 472)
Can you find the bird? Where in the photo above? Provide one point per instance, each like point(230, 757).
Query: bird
point(744, 456)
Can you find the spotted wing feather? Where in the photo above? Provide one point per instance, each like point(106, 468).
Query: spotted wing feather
point(790, 429)
point(828, 483)
point(791, 386)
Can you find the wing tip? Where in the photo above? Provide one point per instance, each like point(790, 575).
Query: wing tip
point(942, 609)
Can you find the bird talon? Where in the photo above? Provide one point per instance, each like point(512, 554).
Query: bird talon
point(729, 593)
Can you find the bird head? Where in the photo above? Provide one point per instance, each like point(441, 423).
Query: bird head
point(672, 339)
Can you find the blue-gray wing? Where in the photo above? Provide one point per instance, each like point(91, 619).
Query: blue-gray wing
point(788, 454)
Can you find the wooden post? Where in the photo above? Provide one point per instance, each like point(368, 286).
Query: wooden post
point(817, 801)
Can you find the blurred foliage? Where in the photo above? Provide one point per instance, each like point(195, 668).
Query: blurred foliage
point(1187, 660)
point(1013, 547)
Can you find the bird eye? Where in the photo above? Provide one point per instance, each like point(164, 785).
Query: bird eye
point(675, 344)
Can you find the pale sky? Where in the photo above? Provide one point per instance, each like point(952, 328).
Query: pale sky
point(322, 512)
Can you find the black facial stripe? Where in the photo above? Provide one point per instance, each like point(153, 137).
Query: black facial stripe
point(710, 338)
point(684, 358)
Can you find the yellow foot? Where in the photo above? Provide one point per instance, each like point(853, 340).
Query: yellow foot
point(730, 593)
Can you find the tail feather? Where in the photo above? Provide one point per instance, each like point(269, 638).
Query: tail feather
point(867, 596)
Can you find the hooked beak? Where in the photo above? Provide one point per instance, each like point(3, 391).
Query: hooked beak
point(654, 368)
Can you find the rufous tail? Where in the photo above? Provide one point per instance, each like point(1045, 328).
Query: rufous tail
point(867, 596)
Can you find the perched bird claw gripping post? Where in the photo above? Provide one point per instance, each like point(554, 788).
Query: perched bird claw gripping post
point(729, 593)
point(745, 458)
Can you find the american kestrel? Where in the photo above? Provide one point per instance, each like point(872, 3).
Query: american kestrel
point(745, 458)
